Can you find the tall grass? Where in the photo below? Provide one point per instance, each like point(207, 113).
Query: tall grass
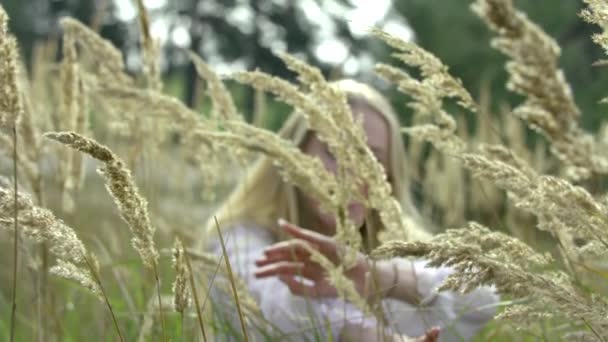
point(15, 237)
point(545, 252)
point(10, 110)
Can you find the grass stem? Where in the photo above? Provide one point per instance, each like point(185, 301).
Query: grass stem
point(199, 314)
point(160, 303)
point(232, 283)
point(15, 237)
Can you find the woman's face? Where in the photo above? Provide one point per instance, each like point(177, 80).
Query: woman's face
point(377, 132)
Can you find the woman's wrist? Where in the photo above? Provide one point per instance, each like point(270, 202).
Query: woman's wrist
point(386, 277)
point(396, 280)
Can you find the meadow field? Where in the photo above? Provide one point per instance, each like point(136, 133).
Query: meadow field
point(107, 180)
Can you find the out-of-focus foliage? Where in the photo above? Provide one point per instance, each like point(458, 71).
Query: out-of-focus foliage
point(243, 34)
point(459, 38)
point(229, 34)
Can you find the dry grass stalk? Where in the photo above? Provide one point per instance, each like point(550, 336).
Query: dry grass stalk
point(132, 206)
point(336, 276)
point(595, 13)
point(480, 256)
point(120, 184)
point(28, 169)
point(486, 201)
point(432, 70)
point(357, 165)
point(109, 65)
point(11, 106)
point(298, 168)
point(164, 109)
point(69, 110)
point(81, 126)
point(15, 237)
point(161, 108)
point(75, 263)
point(328, 114)
point(10, 110)
point(260, 108)
point(483, 257)
point(549, 107)
point(150, 50)
point(213, 264)
point(231, 278)
point(152, 308)
point(39, 85)
point(26, 155)
point(168, 111)
point(223, 104)
point(483, 197)
point(41, 225)
point(199, 308)
point(29, 157)
point(427, 94)
point(435, 125)
point(149, 134)
point(564, 210)
point(181, 293)
point(444, 183)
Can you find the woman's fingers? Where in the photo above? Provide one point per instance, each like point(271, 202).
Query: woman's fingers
point(283, 268)
point(270, 259)
point(295, 248)
point(307, 235)
point(300, 288)
point(432, 335)
point(266, 261)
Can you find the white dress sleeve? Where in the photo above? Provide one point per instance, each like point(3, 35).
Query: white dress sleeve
point(460, 316)
point(300, 318)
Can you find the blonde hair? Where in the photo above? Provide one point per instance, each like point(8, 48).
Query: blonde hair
point(263, 196)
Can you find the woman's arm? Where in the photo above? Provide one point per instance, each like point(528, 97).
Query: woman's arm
point(300, 318)
point(395, 280)
point(408, 287)
point(460, 316)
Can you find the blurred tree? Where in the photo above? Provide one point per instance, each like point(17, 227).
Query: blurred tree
point(238, 34)
point(229, 34)
point(35, 21)
point(246, 33)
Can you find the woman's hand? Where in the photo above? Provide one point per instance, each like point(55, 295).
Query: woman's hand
point(290, 259)
point(355, 333)
point(432, 335)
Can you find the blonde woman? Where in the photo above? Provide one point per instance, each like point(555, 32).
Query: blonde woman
point(267, 222)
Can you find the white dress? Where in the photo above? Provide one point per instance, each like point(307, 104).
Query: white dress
point(307, 319)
